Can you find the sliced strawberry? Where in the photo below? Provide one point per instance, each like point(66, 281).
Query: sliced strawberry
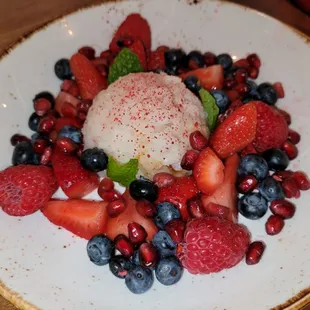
point(89, 80)
point(156, 60)
point(83, 218)
point(182, 190)
point(226, 194)
point(210, 78)
point(208, 171)
point(64, 97)
point(74, 180)
point(138, 48)
point(236, 132)
point(67, 121)
point(119, 225)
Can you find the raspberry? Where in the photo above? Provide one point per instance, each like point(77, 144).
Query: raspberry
point(212, 244)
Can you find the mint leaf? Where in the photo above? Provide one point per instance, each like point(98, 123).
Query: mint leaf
point(210, 107)
point(122, 173)
point(124, 63)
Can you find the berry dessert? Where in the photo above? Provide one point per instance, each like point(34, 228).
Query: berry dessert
point(175, 147)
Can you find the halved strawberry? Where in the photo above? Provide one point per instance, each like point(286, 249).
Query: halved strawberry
point(119, 225)
point(67, 121)
point(182, 190)
point(226, 193)
point(75, 181)
point(210, 78)
point(138, 48)
point(156, 60)
point(236, 132)
point(208, 171)
point(134, 27)
point(64, 97)
point(88, 78)
point(83, 218)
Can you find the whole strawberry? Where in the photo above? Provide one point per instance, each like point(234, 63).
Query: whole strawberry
point(25, 189)
point(212, 244)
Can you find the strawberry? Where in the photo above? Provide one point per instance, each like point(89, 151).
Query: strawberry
point(232, 107)
point(156, 61)
point(236, 132)
point(74, 180)
point(182, 190)
point(226, 193)
point(83, 218)
point(210, 78)
point(208, 171)
point(272, 129)
point(25, 189)
point(119, 225)
point(250, 149)
point(138, 48)
point(62, 99)
point(89, 80)
point(212, 244)
point(134, 27)
point(67, 121)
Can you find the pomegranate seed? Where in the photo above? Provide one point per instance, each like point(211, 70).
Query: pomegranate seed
point(100, 62)
point(68, 110)
point(214, 209)
point(279, 89)
point(282, 175)
point(17, 138)
point(253, 72)
point(81, 116)
point(163, 179)
point(148, 255)
point(189, 159)
point(250, 149)
point(162, 48)
point(290, 149)
point(229, 83)
point(136, 233)
point(290, 188)
point(242, 89)
point(301, 180)
point(80, 150)
point(106, 185)
point(105, 54)
point(255, 252)
point(110, 60)
point(123, 244)
point(53, 136)
point(241, 63)
point(66, 145)
point(40, 145)
point(71, 87)
point(84, 106)
point(233, 95)
point(88, 52)
point(283, 208)
point(127, 42)
point(102, 69)
point(209, 58)
point(146, 208)
point(274, 225)
point(47, 124)
point(46, 156)
point(176, 228)
point(286, 116)
point(41, 106)
point(293, 136)
point(116, 207)
point(247, 184)
point(254, 60)
point(195, 207)
point(198, 141)
point(109, 196)
point(241, 75)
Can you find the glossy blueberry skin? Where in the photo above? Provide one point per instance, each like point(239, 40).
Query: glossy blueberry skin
point(94, 160)
point(221, 100)
point(72, 133)
point(253, 165)
point(271, 189)
point(169, 271)
point(197, 58)
point(192, 83)
point(62, 69)
point(135, 259)
point(224, 60)
point(34, 121)
point(253, 206)
point(139, 279)
point(120, 266)
point(46, 95)
point(171, 71)
point(276, 159)
point(143, 189)
point(23, 154)
point(164, 244)
point(175, 58)
point(100, 249)
point(268, 93)
point(166, 212)
point(253, 95)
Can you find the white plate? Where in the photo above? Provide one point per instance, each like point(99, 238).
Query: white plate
point(49, 267)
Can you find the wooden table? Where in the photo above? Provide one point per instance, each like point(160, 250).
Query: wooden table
point(22, 16)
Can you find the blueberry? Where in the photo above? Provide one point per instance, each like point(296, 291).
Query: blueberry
point(175, 58)
point(268, 93)
point(94, 159)
point(224, 60)
point(164, 244)
point(276, 159)
point(221, 99)
point(23, 154)
point(171, 71)
point(100, 249)
point(230, 72)
point(253, 165)
point(62, 69)
point(271, 189)
point(139, 279)
point(46, 95)
point(195, 60)
point(34, 121)
point(71, 132)
point(143, 189)
point(192, 83)
point(253, 97)
point(252, 84)
point(166, 212)
point(120, 266)
point(169, 271)
point(135, 259)
point(253, 206)
point(36, 159)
